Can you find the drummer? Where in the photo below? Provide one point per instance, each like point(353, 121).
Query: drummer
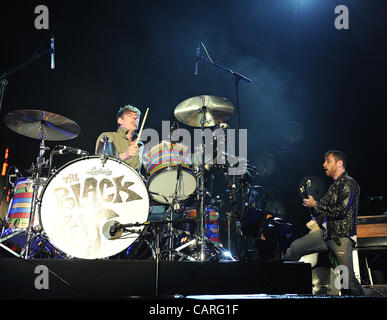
point(128, 118)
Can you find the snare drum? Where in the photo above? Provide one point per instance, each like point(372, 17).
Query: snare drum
point(85, 198)
point(162, 163)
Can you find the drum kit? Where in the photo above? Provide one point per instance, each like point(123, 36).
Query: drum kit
point(98, 207)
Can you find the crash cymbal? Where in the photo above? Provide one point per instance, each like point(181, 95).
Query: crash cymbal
point(42, 125)
point(216, 110)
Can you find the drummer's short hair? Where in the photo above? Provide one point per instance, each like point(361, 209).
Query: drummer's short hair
point(126, 109)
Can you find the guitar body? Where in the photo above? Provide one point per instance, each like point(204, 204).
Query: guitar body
point(313, 224)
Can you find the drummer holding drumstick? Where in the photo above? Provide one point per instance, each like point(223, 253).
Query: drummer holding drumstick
point(125, 138)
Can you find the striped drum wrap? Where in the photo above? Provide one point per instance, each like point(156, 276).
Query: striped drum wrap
point(166, 155)
point(21, 203)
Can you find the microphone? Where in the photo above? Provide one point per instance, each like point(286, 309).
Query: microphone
point(52, 51)
point(116, 230)
point(174, 127)
point(197, 60)
point(375, 198)
point(66, 149)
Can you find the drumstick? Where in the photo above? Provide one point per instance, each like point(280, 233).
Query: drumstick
point(142, 125)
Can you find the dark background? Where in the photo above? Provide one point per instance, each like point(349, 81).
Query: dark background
point(313, 87)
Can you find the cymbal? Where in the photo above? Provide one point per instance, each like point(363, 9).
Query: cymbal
point(42, 125)
point(216, 110)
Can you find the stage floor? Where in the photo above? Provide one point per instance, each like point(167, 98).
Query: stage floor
point(145, 280)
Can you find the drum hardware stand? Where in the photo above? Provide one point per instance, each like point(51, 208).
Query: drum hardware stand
point(4, 225)
point(9, 237)
point(158, 194)
point(201, 238)
point(236, 78)
point(175, 206)
point(229, 216)
point(195, 241)
point(40, 163)
point(36, 183)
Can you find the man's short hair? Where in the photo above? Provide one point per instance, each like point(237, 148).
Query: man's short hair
point(126, 109)
point(338, 155)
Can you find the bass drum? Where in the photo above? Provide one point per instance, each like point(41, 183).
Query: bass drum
point(85, 198)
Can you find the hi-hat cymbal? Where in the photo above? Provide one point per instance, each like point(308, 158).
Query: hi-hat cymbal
point(42, 125)
point(216, 110)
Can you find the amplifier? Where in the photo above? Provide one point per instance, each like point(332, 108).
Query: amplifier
point(372, 231)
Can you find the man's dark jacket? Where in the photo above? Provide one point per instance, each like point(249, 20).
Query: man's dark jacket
point(340, 206)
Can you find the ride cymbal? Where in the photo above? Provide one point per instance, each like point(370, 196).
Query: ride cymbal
point(216, 110)
point(42, 125)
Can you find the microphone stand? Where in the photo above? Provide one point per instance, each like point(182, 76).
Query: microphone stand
point(236, 78)
point(4, 76)
point(157, 226)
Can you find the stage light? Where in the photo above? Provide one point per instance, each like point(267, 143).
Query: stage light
point(228, 255)
point(5, 163)
point(4, 170)
point(303, 5)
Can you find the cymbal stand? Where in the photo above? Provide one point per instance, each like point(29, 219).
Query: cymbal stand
point(174, 206)
point(236, 78)
point(229, 217)
point(40, 162)
point(202, 243)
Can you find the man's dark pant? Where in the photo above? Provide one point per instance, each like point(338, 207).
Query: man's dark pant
point(314, 242)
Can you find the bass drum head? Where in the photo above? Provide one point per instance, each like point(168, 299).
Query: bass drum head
point(87, 196)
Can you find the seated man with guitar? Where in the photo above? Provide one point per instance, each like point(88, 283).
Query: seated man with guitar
point(338, 207)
